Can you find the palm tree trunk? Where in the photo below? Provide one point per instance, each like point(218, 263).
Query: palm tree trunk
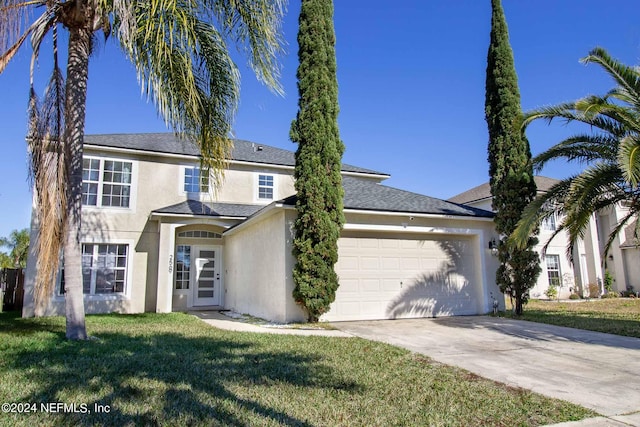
point(76, 96)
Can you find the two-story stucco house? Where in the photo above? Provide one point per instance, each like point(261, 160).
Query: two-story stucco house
point(586, 266)
point(157, 238)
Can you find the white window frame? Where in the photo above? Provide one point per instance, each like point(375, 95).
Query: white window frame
point(258, 187)
point(128, 276)
point(183, 182)
point(101, 183)
point(550, 223)
point(550, 269)
point(182, 282)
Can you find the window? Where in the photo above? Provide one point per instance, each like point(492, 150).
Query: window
point(106, 183)
point(104, 269)
point(553, 269)
point(265, 187)
point(199, 234)
point(196, 180)
point(183, 266)
point(549, 223)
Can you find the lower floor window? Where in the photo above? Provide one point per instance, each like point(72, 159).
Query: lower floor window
point(553, 269)
point(104, 269)
point(183, 266)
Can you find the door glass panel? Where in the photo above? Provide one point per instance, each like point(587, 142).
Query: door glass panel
point(205, 294)
point(207, 274)
point(207, 254)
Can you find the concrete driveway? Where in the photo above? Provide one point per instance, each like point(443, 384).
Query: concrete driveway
point(595, 370)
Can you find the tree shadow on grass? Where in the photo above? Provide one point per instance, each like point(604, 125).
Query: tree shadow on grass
point(170, 378)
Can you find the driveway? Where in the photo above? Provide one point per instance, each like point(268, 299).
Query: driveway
point(595, 370)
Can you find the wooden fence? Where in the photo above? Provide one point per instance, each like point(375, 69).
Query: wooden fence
point(12, 283)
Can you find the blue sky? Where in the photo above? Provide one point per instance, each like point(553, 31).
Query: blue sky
point(411, 88)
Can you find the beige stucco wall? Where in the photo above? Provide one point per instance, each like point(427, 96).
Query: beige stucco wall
point(258, 269)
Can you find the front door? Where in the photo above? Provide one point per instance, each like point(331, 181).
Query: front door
point(206, 286)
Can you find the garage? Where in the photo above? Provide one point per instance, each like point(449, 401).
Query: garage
point(404, 276)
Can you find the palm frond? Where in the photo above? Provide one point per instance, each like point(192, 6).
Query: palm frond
point(48, 173)
point(584, 148)
point(629, 159)
point(184, 66)
point(542, 207)
point(255, 26)
point(14, 21)
point(624, 76)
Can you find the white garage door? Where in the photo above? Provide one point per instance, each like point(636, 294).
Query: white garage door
point(389, 278)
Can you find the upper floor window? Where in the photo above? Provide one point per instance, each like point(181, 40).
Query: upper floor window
point(265, 187)
point(549, 223)
point(106, 182)
point(196, 180)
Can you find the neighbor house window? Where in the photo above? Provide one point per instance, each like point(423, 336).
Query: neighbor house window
point(553, 269)
point(104, 269)
point(265, 187)
point(183, 266)
point(106, 182)
point(549, 223)
point(196, 180)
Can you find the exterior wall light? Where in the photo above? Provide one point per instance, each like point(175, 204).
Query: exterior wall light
point(493, 246)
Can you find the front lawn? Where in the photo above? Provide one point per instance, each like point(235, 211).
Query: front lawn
point(173, 369)
point(620, 316)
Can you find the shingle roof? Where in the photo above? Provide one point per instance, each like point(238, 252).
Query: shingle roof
point(167, 143)
point(483, 191)
point(366, 195)
point(194, 207)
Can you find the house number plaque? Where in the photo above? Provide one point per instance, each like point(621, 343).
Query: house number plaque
point(170, 264)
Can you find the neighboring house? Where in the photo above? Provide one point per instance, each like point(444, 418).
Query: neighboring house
point(587, 266)
point(156, 238)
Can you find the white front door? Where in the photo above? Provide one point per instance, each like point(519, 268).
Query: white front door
point(206, 280)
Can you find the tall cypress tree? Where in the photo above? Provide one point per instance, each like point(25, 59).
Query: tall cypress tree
point(318, 161)
point(510, 168)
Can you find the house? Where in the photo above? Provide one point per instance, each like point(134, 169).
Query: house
point(157, 238)
point(587, 267)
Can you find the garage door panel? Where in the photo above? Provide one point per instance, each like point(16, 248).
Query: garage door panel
point(397, 278)
point(369, 263)
point(392, 264)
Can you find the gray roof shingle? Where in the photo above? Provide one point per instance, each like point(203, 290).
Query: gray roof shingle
point(366, 195)
point(483, 191)
point(167, 143)
point(195, 207)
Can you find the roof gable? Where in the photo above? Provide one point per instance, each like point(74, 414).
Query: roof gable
point(483, 191)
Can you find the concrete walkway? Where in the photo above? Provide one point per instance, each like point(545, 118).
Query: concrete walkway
point(592, 369)
point(219, 320)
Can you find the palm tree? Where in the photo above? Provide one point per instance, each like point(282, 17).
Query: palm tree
point(611, 152)
point(179, 49)
point(18, 241)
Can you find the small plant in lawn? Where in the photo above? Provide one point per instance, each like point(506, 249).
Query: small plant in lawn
point(594, 290)
point(552, 291)
point(574, 296)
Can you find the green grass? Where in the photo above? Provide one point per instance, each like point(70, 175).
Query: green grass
point(173, 369)
point(620, 316)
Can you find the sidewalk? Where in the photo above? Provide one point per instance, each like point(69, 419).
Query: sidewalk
point(219, 320)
